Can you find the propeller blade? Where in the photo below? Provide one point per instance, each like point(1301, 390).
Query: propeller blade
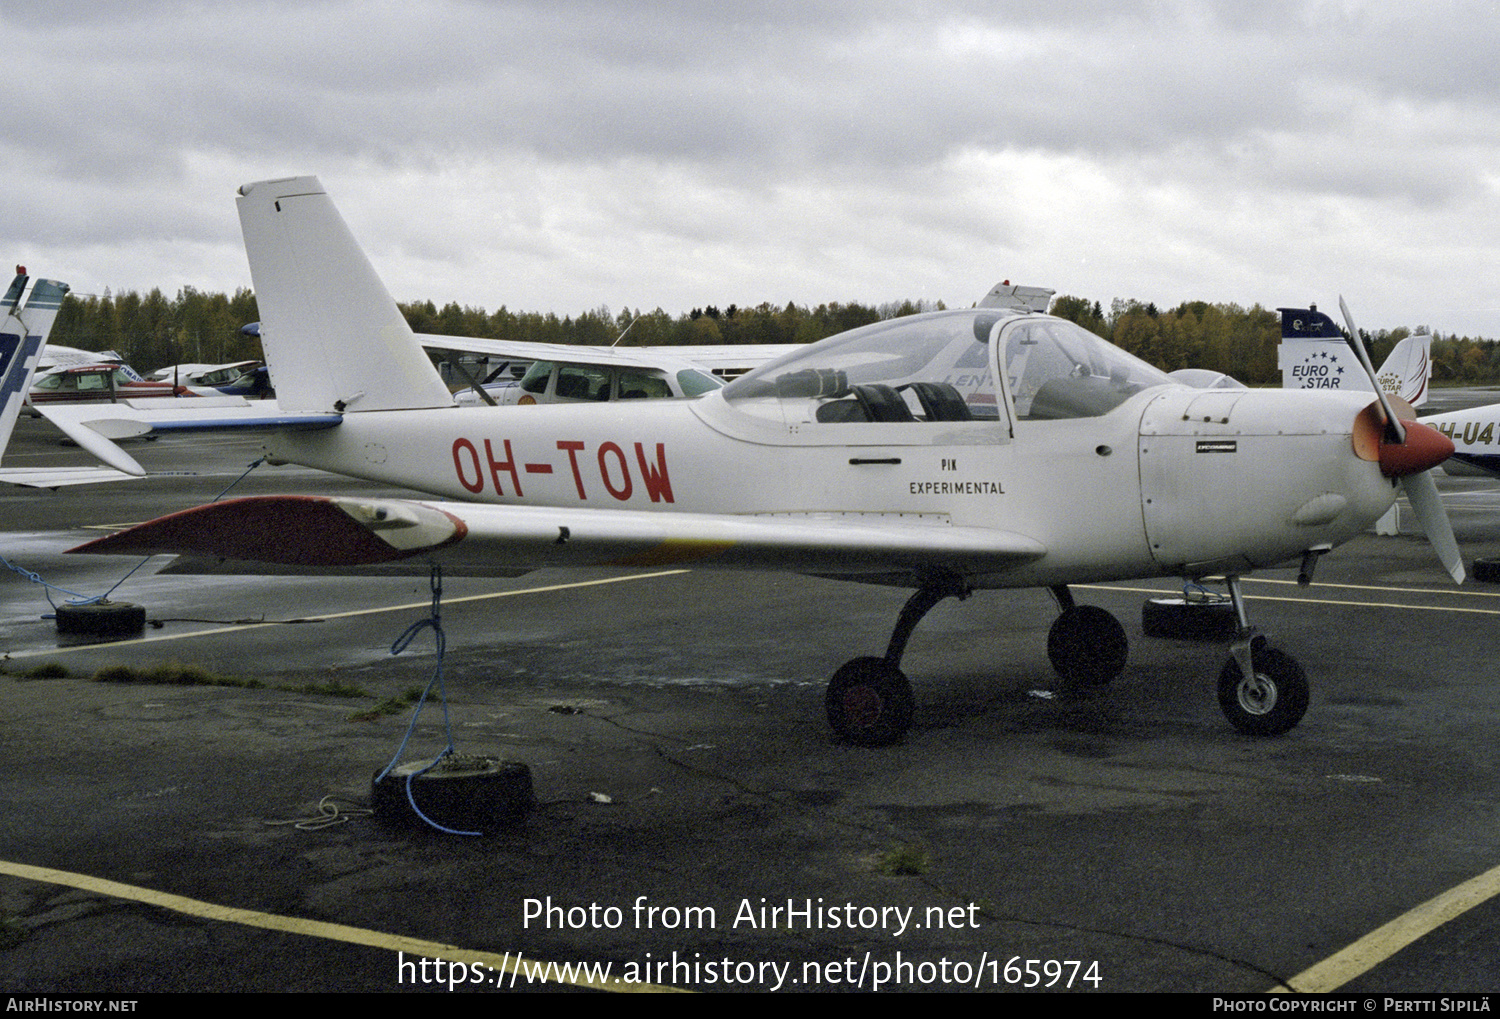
point(1423, 493)
point(1364, 360)
point(1409, 461)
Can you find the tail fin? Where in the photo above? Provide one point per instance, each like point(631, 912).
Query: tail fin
point(23, 333)
point(334, 339)
point(1314, 355)
point(1408, 369)
point(1307, 324)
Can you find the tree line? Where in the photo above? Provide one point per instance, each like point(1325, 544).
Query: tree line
point(153, 331)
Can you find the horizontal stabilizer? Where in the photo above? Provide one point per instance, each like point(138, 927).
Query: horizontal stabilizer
point(130, 419)
point(93, 441)
point(323, 532)
point(60, 477)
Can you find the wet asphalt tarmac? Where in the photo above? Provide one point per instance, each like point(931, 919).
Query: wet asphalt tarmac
point(697, 825)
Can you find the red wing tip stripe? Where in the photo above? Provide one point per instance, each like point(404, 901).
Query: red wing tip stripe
point(291, 530)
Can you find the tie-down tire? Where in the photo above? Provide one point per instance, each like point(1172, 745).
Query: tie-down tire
point(1189, 619)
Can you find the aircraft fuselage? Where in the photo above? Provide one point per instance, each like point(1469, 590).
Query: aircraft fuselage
point(1163, 484)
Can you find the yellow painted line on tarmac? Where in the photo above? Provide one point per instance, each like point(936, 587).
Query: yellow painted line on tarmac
point(1383, 942)
point(237, 627)
point(1306, 601)
point(523, 972)
point(1468, 591)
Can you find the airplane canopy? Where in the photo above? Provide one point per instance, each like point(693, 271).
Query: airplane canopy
point(941, 367)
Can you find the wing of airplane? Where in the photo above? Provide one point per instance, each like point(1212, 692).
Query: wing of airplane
point(316, 531)
point(720, 360)
point(524, 350)
point(727, 360)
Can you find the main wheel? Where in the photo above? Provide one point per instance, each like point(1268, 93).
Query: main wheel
point(1087, 645)
point(869, 702)
point(1269, 703)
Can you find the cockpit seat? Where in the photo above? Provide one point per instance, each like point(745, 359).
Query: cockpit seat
point(941, 401)
point(841, 412)
point(882, 403)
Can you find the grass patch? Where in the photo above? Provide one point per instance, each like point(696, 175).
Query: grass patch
point(390, 706)
point(329, 689)
point(50, 670)
point(178, 674)
point(172, 674)
point(904, 861)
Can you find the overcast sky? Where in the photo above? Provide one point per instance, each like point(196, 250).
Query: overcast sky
point(563, 155)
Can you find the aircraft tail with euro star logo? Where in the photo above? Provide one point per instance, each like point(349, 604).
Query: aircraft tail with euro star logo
point(1315, 355)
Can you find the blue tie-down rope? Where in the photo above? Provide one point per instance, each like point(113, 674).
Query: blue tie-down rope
point(83, 599)
point(436, 622)
point(74, 597)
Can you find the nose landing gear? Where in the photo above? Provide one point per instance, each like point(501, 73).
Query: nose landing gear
point(1262, 689)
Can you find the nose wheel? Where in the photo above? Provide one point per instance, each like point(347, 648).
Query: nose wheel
point(1271, 699)
point(1262, 689)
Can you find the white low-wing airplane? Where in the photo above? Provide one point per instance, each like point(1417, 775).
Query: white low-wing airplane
point(985, 448)
point(24, 328)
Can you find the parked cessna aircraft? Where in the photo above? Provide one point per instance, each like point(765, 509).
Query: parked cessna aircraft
point(23, 334)
point(204, 379)
point(560, 374)
point(947, 452)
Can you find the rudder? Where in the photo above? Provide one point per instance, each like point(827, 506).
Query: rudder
point(23, 333)
point(333, 337)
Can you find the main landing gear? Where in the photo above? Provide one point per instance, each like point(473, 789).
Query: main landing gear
point(1262, 690)
point(1086, 645)
point(870, 701)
